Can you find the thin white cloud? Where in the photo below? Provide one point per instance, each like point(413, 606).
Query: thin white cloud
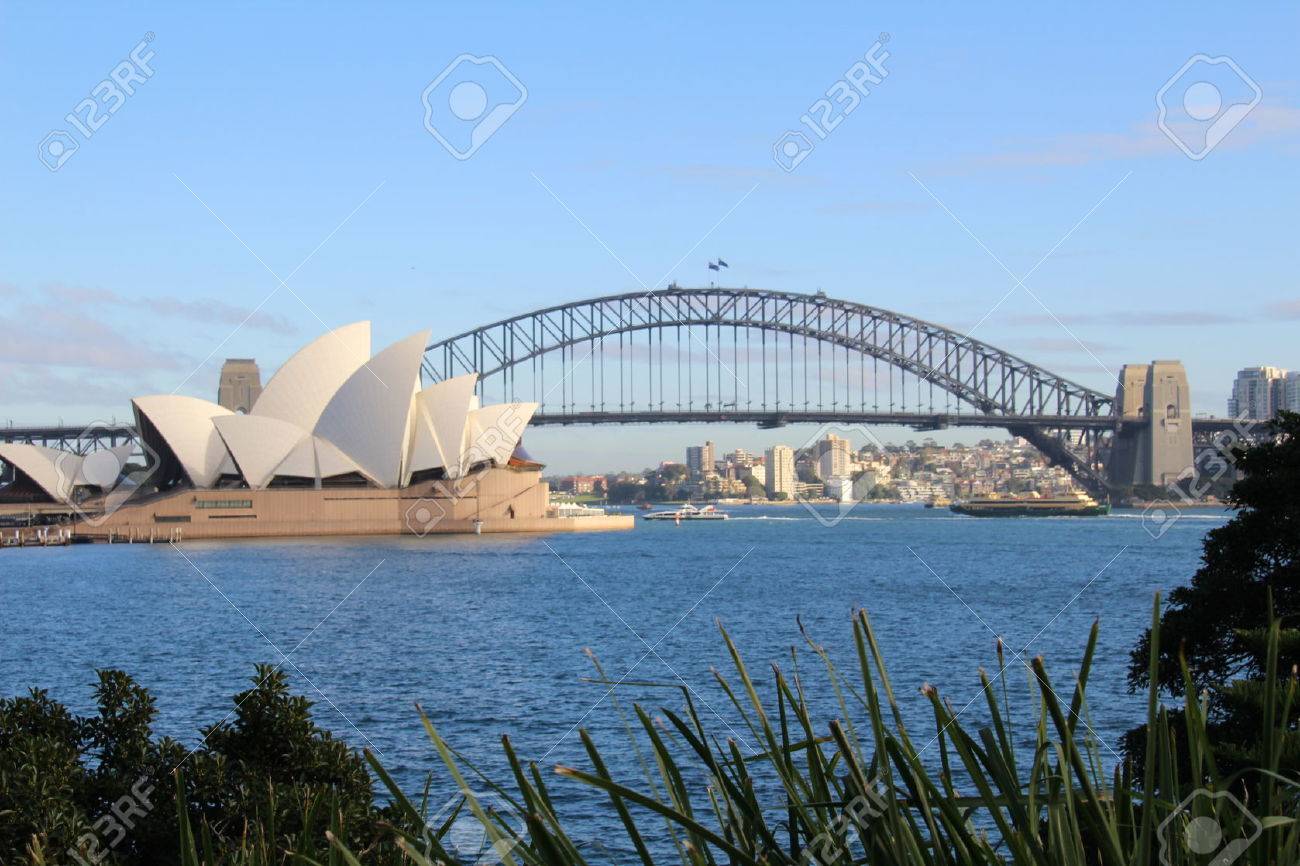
point(58, 336)
point(1129, 318)
point(1066, 345)
point(1270, 122)
point(204, 310)
point(1285, 310)
point(34, 385)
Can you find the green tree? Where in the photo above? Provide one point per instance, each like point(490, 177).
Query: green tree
point(1218, 622)
point(623, 492)
point(102, 786)
point(43, 784)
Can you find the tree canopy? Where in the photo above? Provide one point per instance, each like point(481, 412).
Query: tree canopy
point(1218, 622)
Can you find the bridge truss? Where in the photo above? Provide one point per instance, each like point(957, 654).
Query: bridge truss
point(771, 358)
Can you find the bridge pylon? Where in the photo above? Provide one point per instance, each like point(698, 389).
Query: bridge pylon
point(1153, 434)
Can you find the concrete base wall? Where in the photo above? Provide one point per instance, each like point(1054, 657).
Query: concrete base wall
point(504, 500)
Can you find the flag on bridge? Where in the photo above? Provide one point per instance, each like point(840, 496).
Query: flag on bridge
point(712, 266)
point(724, 264)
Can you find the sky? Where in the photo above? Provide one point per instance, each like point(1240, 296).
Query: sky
point(269, 175)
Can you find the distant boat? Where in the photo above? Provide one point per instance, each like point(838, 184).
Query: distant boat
point(575, 509)
point(689, 512)
point(939, 502)
point(645, 506)
point(1071, 505)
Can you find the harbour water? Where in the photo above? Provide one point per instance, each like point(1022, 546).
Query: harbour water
point(487, 633)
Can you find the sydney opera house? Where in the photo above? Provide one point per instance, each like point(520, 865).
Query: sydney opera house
point(337, 442)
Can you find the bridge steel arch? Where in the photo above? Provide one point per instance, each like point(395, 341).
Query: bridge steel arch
point(993, 381)
point(1062, 418)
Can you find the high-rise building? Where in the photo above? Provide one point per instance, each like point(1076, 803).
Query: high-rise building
point(1291, 392)
point(740, 457)
point(700, 459)
point(834, 457)
point(1257, 393)
point(779, 471)
point(240, 385)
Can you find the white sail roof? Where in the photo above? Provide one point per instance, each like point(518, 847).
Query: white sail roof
point(441, 415)
point(368, 418)
point(301, 461)
point(330, 461)
point(304, 385)
point(313, 458)
point(48, 468)
point(329, 411)
point(185, 424)
point(259, 444)
point(494, 431)
point(58, 473)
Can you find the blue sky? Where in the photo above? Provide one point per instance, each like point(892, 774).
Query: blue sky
point(996, 139)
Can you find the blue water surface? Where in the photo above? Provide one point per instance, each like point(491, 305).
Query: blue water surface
point(488, 633)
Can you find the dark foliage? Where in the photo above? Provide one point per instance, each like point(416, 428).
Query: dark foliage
point(1218, 622)
point(101, 788)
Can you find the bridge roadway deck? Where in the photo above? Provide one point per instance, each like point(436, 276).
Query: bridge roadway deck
point(919, 421)
point(759, 417)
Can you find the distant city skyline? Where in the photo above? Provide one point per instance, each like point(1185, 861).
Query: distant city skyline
point(1262, 392)
point(837, 469)
point(1042, 208)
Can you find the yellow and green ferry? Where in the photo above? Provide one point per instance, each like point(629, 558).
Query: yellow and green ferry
point(1075, 504)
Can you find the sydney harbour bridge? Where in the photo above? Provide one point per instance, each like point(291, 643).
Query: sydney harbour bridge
point(770, 358)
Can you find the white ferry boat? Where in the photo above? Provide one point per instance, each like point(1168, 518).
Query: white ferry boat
point(688, 512)
point(575, 509)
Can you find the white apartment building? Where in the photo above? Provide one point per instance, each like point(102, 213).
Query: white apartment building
point(1258, 392)
point(779, 474)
